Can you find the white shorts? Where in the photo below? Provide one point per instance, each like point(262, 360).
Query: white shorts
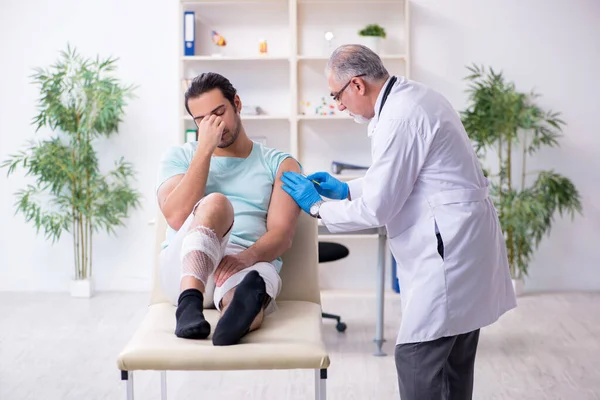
point(170, 272)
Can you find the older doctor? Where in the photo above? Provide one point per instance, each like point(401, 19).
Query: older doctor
point(426, 186)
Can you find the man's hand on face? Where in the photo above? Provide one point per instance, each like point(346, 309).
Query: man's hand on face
point(210, 130)
point(229, 265)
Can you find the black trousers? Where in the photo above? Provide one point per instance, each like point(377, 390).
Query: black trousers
point(441, 369)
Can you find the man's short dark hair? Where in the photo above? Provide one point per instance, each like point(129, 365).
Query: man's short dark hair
point(206, 82)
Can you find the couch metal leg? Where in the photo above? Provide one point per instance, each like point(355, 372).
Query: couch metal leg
point(317, 384)
point(323, 384)
point(320, 384)
point(128, 376)
point(163, 385)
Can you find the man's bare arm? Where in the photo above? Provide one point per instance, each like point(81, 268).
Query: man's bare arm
point(178, 195)
point(281, 221)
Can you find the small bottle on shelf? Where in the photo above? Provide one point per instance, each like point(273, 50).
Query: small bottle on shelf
point(262, 47)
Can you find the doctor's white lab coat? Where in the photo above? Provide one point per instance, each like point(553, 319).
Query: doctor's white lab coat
point(425, 178)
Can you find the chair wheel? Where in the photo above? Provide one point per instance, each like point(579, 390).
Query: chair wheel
point(341, 327)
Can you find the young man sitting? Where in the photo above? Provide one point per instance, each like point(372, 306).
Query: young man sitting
point(229, 220)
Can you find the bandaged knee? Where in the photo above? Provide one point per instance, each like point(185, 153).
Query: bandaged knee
point(200, 253)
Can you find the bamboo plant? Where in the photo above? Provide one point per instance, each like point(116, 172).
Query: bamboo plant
point(501, 119)
point(80, 103)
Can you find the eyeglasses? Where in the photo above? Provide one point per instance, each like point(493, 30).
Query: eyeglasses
point(336, 96)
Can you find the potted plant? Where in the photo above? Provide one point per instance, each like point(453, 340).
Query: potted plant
point(372, 36)
point(80, 103)
point(501, 119)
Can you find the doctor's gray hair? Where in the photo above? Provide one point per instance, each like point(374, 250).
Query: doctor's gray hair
point(350, 60)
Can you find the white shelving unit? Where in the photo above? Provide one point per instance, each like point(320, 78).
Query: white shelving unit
point(291, 74)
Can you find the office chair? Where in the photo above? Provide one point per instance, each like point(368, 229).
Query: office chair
point(329, 251)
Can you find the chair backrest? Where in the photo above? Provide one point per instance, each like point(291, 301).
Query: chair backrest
point(299, 274)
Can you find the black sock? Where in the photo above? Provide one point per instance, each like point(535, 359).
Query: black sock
point(190, 319)
point(248, 300)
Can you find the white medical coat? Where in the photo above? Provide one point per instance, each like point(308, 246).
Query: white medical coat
point(425, 177)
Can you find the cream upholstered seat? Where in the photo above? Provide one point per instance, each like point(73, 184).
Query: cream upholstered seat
point(289, 338)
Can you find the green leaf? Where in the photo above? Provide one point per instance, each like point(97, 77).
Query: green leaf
point(80, 101)
point(497, 118)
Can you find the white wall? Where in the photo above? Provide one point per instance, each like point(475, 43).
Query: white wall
point(549, 46)
point(537, 43)
point(143, 34)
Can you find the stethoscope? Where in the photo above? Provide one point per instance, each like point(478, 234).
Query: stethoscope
point(386, 93)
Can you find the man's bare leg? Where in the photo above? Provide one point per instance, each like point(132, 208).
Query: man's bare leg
point(216, 213)
point(242, 310)
point(200, 255)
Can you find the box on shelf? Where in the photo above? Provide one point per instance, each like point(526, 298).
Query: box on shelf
point(191, 135)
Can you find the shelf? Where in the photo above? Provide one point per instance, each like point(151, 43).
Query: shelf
point(235, 2)
point(363, 2)
point(326, 58)
point(393, 57)
point(252, 117)
point(235, 58)
point(283, 117)
point(342, 236)
point(277, 58)
point(323, 117)
point(229, 2)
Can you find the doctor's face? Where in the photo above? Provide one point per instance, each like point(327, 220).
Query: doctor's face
point(350, 97)
point(213, 102)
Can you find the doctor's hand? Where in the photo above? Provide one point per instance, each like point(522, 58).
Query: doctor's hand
point(301, 189)
point(329, 186)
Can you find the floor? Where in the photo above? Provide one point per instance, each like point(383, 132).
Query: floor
point(56, 347)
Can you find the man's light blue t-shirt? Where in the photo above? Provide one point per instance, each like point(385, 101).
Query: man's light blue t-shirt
point(247, 183)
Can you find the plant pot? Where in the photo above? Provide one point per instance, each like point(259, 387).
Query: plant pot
point(518, 286)
point(82, 288)
point(372, 42)
point(218, 51)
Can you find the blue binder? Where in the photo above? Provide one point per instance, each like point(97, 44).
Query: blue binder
point(189, 33)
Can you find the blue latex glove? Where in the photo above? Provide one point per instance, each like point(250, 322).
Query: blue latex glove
point(329, 187)
point(301, 189)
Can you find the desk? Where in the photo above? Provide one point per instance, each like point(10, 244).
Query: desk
point(381, 256)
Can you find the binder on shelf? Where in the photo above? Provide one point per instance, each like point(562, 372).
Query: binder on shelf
point(191, 135)
point(189, 33)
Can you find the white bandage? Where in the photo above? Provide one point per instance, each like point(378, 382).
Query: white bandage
point(200, 254)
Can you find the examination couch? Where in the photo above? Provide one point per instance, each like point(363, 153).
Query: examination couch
point(290, 338)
